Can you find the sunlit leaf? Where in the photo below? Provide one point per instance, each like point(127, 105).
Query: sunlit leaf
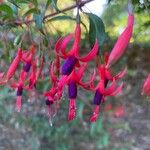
point(31, 11)
point(6, 9)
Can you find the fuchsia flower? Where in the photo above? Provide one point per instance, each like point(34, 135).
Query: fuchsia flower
point(19, 86)
point(13, 67)
point(27, 58)
point(146, 86)
point(29, 63)
point(35, 72)
point(74, 79)
point(72, 58)
point(122, 41)
point(68, 73)
point(101, 90)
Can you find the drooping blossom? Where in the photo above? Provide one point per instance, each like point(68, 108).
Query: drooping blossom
point(27, 59)
point(72, 57)
point(146, 86)
point(74, 79)
point(102, 90)
point(19, 90)
point(123, 40)
point(13, 67)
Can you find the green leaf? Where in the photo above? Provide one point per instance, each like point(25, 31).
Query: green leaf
point(17, 40)
point(15, 9)
point(47, 4)
point(38, 20)
point(35, 2)
point(109, 1)
point(54, 4)
point(6, 9)
point(96, 29)
point(31, 11)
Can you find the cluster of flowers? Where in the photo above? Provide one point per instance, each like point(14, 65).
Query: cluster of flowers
point(74, 66)
point(30, 72)
point(71, 72)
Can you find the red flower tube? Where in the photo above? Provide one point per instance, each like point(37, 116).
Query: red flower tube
point(13, 67)
point(122, 42)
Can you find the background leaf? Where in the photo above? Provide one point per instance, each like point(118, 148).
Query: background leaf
point(96, 29)
point(54, 4)
point(31, 11)
point(6, 9)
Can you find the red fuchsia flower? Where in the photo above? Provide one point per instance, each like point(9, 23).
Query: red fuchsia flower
point(119, 111)
point(72, 57)
point(123, 40)
point(39, 69)
point(146, 86)
point(19, 86)
point(74, 79)
point(13, 67)
point(27, 59)
point(32, 76)
point(101, 90)
point(35, 72)
point(51, 94)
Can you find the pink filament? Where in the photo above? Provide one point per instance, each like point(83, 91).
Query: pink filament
point(72, 109)
point(95, 115)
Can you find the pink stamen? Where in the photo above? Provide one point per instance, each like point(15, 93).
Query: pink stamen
point(72, 109)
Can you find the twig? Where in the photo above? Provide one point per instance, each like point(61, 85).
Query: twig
point(81, 4)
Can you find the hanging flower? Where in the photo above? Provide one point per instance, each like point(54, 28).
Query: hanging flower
point(19, 87)
point(102, 90)
point(27, 58)
point(13, 67)
point(72, 58)
point(74, 79)
point(122, 42)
